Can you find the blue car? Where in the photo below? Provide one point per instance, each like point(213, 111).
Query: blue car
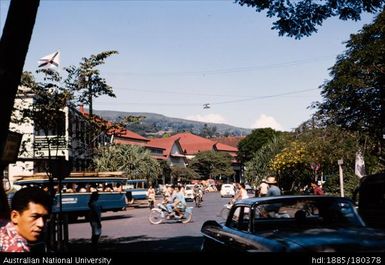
point(292, 224)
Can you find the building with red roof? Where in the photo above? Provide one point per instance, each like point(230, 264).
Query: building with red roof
point(193, 144)
point(168, 149)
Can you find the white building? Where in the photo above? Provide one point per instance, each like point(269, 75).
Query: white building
point(72, 141)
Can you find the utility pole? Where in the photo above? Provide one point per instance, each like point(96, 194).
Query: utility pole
point(340, 163)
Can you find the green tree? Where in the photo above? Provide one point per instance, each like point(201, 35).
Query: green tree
point(322, 146)
point(210, 164)
point(259, 166)
point(355, 96)
point(132, 159)
point(253, 142)
point(165, 172)
point(86, 79)
point(208, 132)
point(300, 18)
point(182, 174)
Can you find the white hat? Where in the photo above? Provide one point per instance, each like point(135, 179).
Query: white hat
point(271, 180)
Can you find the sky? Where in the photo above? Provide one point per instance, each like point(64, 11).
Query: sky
point(176, 56)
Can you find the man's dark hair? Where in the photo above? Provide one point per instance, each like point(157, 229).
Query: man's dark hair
point(23, 197)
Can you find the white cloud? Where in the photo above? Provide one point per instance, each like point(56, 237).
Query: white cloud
point(214, 118)
point(265, 121)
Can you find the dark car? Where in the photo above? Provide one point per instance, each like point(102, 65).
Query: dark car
point(292, 224)
point(371, 200)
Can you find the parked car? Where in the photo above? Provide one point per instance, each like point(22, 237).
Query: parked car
point(227, 190)
point(189, 192)
point(292, 224)
point(371, 200)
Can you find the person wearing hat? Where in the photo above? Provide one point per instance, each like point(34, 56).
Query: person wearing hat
point(263, 188)
point(273, 190)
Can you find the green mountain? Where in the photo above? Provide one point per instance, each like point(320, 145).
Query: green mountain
point(157, 124)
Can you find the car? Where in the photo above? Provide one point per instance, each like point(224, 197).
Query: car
point(371, 200)
point(249, 189)
point(294, 223)
point(227, 190)
point(189, 192)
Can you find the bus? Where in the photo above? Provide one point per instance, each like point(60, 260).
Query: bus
point(136, 189)
point(77, 188)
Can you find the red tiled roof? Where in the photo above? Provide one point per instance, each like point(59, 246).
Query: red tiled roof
point(231, 140)
point(193, 144)
point(225, 147)
point(163, 143)
point(124, 133)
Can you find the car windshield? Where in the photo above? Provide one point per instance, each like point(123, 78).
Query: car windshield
point(306, 213)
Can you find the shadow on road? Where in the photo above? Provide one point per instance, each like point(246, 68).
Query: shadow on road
point(104, 218)
point(139, 244)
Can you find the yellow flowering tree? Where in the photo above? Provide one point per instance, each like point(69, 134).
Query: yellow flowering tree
point(291, 166)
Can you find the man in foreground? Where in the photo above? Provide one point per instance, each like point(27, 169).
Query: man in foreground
point(29, 212)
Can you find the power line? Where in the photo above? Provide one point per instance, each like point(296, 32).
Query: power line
point(264, 97)
point(226, 70)
point(175, 92)
point(213, 103)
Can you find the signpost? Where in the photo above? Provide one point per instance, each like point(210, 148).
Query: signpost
point(340, 163)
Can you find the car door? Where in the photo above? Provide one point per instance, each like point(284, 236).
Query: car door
point(237, 234)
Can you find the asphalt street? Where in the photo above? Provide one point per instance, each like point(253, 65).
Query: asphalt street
point(130, 230)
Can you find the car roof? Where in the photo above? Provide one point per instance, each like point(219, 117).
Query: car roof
point(273, 199)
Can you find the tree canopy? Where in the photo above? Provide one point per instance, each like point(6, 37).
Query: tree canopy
point(86, 78)
point(253, 142)
point(132, 159)
point(300, 18)
point(210, 164)
point(355, 96)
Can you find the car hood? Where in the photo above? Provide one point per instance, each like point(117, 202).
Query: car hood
point(331, 239)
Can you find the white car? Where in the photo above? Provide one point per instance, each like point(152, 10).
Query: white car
point(227, 190)
point(189, 192)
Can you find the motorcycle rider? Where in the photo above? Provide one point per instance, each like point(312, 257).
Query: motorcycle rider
point(197, 192)
point(179, 202)
point(169, 198)
point(240, 193)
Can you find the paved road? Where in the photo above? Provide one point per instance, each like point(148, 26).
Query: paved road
point(130, 230)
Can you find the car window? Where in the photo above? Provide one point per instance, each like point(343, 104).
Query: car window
point(305, 214)
point(240, 218)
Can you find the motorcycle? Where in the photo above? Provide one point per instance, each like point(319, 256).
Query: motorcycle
point(198, 198)
point(160, 214)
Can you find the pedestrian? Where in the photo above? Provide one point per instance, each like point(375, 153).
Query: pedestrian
point(317, 190)
point(151, 196)
point(263, 188)
point(95, 216)
point(30, 208)
point(273, 188)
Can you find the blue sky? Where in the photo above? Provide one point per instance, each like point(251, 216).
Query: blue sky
point(175, 56)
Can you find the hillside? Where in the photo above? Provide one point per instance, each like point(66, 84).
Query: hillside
point(157, 124)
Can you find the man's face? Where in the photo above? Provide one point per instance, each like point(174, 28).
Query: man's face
point(30, 223)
